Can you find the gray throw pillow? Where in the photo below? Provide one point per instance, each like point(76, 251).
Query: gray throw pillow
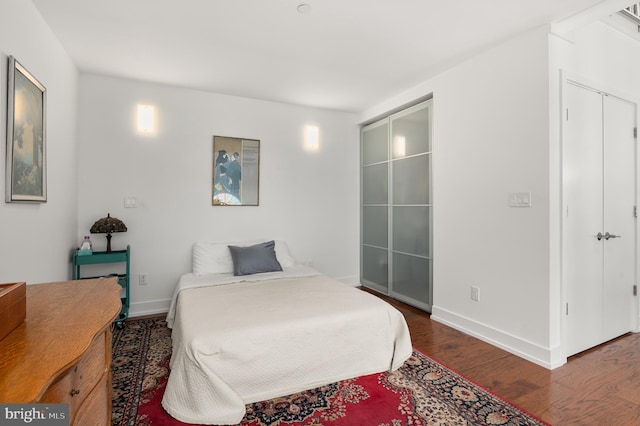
point(255, 259)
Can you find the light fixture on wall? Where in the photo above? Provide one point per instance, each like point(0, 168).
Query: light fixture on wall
point(145, 118)
point(108, 225)
point(311, 138)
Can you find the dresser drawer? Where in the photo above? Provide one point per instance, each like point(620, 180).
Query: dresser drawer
point(96, 409)
point(76, 383)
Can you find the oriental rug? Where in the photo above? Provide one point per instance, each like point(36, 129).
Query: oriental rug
point(421, 392)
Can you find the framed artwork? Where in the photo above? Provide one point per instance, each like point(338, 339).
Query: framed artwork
point(26, 170)
point(236, 171)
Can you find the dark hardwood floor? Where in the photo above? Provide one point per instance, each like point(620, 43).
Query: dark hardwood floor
point(598, 387)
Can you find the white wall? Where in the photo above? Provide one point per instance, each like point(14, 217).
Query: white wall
point(491, 137)
point(601, 53)
point(310, 199)
point(36, 239)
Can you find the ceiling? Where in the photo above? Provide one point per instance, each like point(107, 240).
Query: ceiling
point(344, 55)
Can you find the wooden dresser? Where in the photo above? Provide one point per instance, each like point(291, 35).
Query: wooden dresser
point(61, 353)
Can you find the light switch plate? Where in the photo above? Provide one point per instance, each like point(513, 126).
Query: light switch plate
point(520, 199)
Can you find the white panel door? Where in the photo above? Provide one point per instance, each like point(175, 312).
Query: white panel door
point(583, 217)
point(619, 221)
point(599, 197)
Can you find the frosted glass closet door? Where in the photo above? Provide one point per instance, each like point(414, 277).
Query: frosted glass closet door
point(411, 206)
point(375, 206)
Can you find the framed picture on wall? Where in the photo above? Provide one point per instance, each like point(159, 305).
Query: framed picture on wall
point(26, 170)
point(236, 171)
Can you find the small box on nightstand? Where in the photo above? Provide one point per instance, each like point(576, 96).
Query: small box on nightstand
point(13, 307)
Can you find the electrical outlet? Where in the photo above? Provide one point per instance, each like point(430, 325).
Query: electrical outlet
point(475, 293)
point(143, 278)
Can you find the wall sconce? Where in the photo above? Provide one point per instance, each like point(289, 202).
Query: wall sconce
point(145, 118)
point(311, 138)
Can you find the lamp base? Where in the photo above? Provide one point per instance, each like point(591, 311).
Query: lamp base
point(108, 243)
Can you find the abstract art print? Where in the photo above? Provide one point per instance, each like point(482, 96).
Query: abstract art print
point(26, 171)
point(236, 167)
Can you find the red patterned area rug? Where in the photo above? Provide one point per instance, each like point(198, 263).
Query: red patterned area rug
point(422, 392)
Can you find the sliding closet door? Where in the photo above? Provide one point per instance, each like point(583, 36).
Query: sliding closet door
point(411, 206)
point(374, 231)
point(396, 206)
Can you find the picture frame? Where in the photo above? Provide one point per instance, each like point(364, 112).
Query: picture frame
point(26, 161)
point(236, 172)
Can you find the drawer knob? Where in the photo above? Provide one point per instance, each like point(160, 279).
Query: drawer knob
point(74, 392)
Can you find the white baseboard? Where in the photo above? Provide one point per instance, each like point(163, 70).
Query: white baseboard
point(152, 307)
point(546, 357)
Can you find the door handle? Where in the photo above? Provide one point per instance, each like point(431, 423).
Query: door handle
point(608, 235)
point(599, 236)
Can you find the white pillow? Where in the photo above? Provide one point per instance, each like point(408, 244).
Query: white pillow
point(215, 258)
point(282, 253)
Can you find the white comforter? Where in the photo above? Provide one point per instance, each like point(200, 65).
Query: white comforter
point(255, 340)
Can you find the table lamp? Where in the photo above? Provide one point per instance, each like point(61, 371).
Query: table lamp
point(108, 225)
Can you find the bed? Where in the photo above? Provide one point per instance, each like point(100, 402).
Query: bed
point(242, 338)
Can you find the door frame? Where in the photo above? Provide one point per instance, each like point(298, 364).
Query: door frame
point(567, 78)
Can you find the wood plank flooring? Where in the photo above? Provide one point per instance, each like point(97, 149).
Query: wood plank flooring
point(597, 387)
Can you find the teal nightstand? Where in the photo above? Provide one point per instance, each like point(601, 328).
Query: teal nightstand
point(101, 257)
